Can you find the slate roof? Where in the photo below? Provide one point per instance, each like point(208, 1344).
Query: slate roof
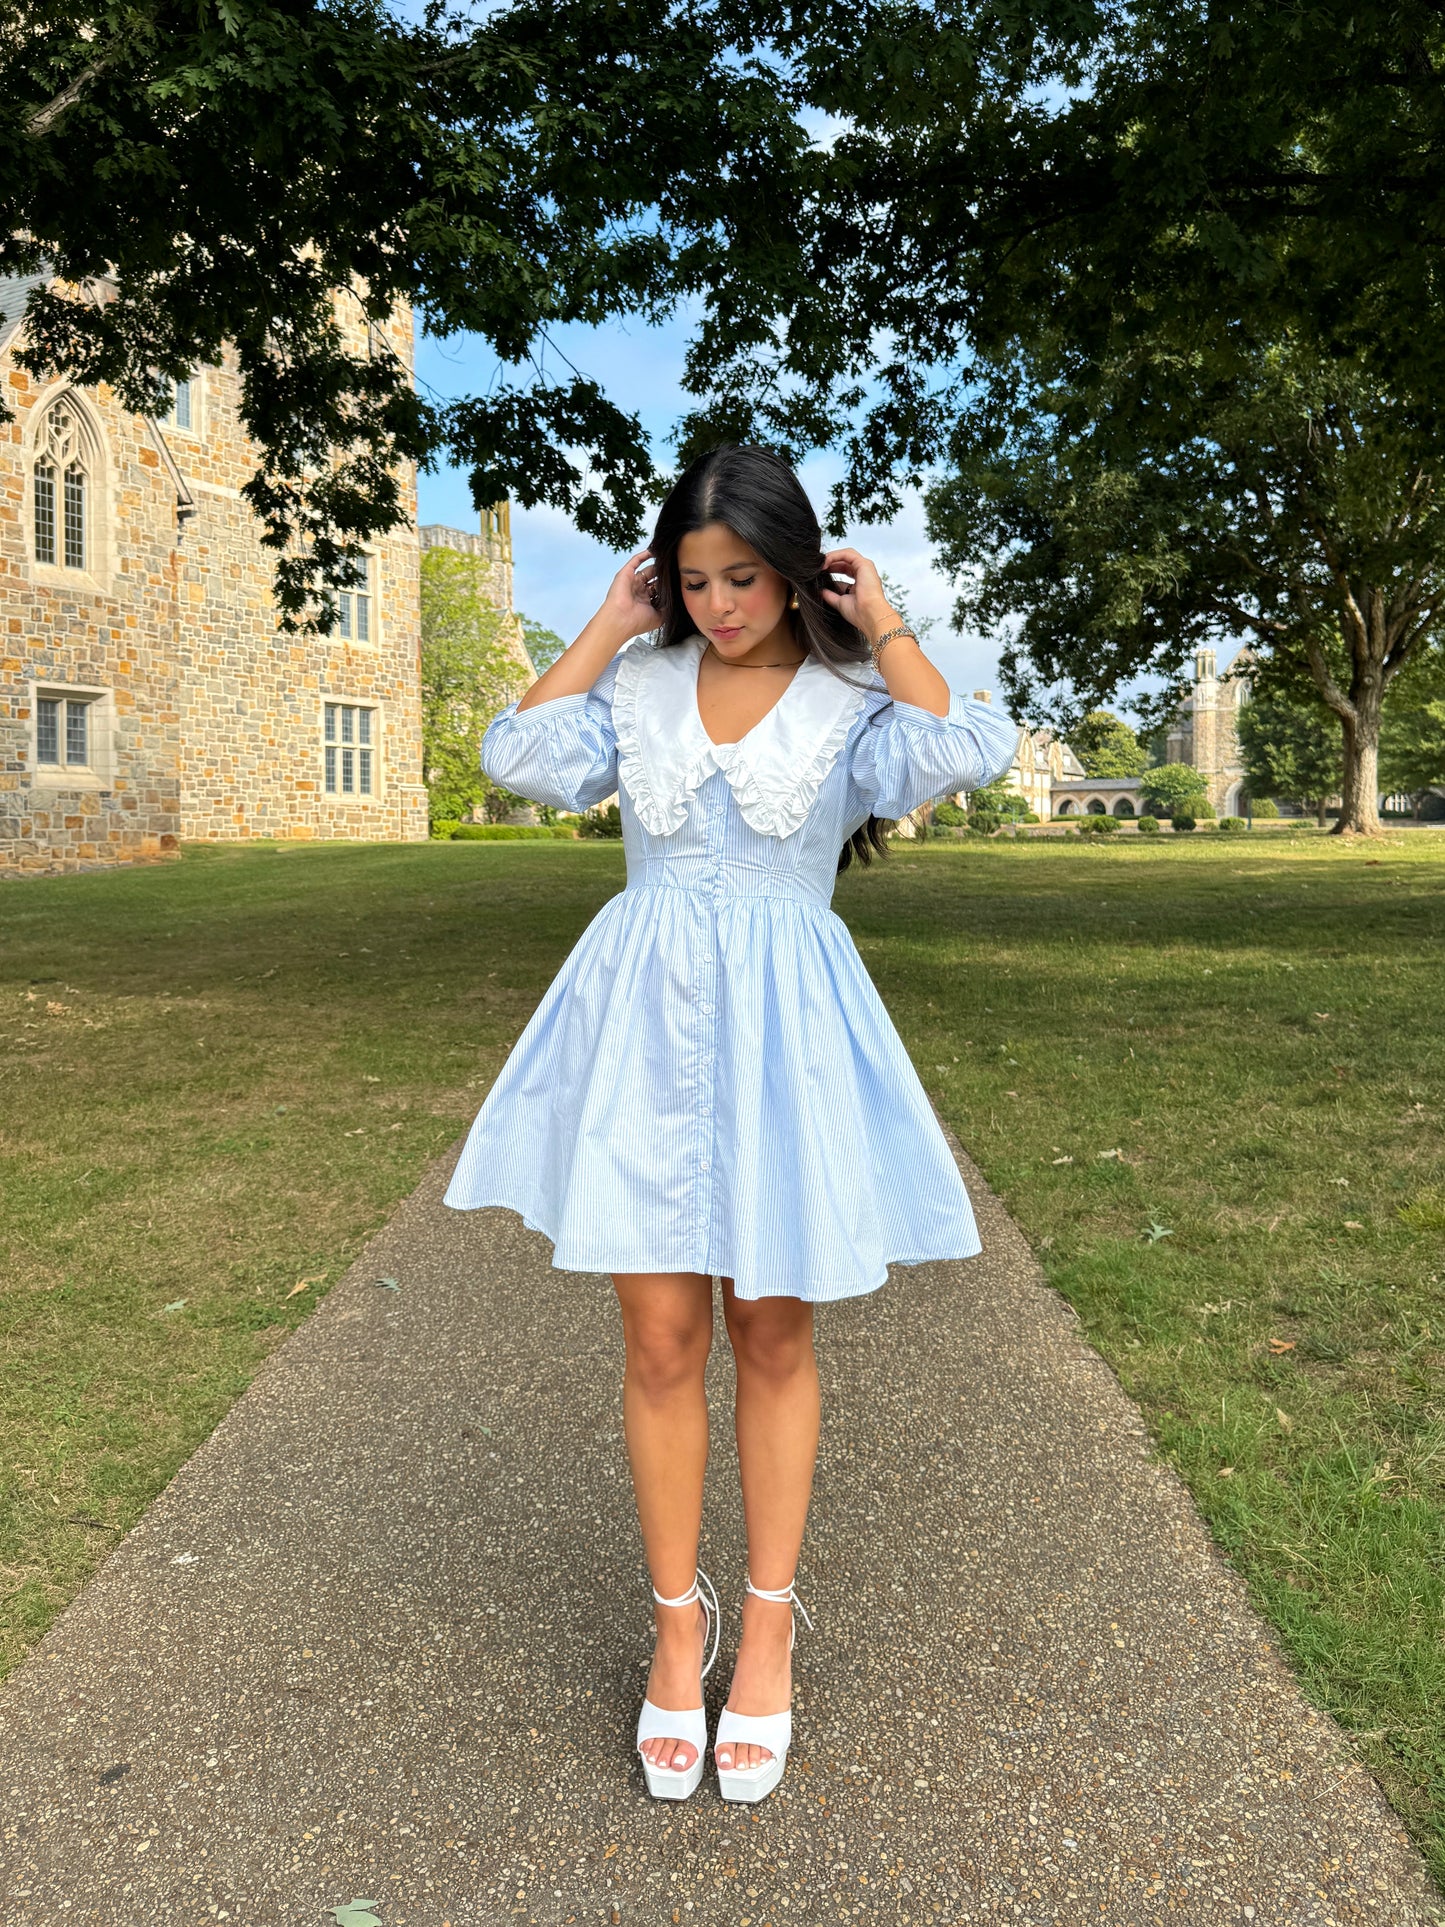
point(14, 293)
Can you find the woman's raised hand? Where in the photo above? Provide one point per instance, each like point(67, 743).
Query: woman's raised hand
point(865, 604)
point(627, 607)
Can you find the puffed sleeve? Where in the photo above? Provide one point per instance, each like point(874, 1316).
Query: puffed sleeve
point(562, 752)
point(907, 755)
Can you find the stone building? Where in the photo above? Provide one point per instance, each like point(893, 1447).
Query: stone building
point(146, 692)
point(1050, 777)
point(1205, 731)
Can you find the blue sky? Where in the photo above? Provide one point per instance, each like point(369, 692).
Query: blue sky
point(561, 576)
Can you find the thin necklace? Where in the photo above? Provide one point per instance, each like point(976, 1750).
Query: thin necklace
point(759, 665)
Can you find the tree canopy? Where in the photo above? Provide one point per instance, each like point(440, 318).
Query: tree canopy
point(1106, 746)
point(1164, 503)
point(1290, 748)
point(1173, 789)
point(471, 667)
point(214, 172)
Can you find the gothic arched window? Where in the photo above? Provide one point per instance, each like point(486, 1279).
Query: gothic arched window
point(62, 481)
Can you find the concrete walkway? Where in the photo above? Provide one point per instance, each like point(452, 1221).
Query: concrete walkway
point(385, 1636)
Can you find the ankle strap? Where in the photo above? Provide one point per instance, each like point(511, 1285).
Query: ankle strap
point(683, 1598)
point(784, 1596)
point(701, 1590)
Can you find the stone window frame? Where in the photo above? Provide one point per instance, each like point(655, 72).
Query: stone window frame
point(370, 560)
point(356, 799)
point(98, 771)
point(95, 465)
point(192, 428)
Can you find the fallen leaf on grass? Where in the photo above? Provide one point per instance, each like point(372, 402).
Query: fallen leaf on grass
point(1062, 1160)
point(1353, 1224)
point(1154, 1232)
point(1286, 1423)
point(356, 1913)
point(1226, 1472)
point(302, 1283)
point(1110, 1154)
point(1278, 1345)
point(174, 1305)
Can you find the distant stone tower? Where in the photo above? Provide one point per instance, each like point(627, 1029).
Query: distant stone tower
point(492, 545)
point(1206, 733)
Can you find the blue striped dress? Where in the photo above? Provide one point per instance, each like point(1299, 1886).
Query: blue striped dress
point(711, 1082)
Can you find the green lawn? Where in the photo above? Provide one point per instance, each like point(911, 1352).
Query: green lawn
point(1206, 1077)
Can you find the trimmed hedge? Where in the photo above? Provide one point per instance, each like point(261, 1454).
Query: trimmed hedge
point(1180, 824)
point(512, 833)
point(1232, 824)
point(1264, 807)
point(1098, 825)
point(1148, 826)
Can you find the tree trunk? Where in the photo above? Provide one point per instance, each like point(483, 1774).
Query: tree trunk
point(1360, 795)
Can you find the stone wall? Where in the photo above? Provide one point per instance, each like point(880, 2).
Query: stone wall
point(107, 630)
point(208, 720)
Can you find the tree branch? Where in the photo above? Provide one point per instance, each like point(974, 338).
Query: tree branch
point(44, 118)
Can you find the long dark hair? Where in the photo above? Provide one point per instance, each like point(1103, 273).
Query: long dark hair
point(756, 494)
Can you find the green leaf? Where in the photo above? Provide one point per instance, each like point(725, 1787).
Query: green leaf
point(356, 1913)
point(388, 1284)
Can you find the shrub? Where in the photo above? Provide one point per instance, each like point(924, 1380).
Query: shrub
point(949, 816)
point(606, 822)
point(511, 832)
point(1263, 807)
point(1148, 826)
point(1098, 825)
point(1232, 824)
point(1204, 811)
point(1181, 823)
point(1030, 816)
point(984, 821)
point(446, 828)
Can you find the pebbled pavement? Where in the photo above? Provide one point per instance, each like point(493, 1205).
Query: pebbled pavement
point(385, 1635)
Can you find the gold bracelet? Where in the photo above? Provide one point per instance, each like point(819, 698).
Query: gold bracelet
point(875, 649)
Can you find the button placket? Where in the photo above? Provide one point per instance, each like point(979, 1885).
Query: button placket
point(716, 830)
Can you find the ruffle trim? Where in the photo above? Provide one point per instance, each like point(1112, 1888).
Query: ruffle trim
point(777, 808)
point(773, 795)
point(658, 815)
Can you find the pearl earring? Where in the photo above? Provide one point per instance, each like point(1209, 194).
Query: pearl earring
point(793, 600)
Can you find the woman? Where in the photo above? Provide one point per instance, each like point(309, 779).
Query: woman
point(711, 1086)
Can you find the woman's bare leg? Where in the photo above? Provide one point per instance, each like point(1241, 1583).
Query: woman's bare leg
point(667, 1324)
point(777, 1421)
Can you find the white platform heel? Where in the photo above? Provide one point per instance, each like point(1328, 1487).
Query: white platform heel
point(772, 1730)
point(666, 1723)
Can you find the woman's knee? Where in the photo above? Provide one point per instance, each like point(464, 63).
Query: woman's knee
point(668, 1339)
point(771, 1337)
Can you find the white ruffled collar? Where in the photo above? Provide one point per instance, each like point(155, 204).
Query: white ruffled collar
point(775, 771)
